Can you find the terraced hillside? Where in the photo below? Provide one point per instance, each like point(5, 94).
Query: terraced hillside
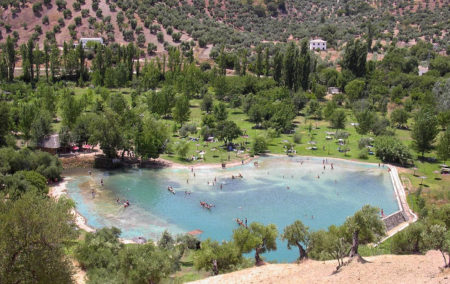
point(234, 23)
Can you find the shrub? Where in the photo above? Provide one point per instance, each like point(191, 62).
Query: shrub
point(67, 14)
point(297, 138)
point(408, 240)
point(188, 128)
point(141, 40)
point(78, 21)
point(37, 7)
point(259, 145)
point(38, 29)
point(390, 149)
point(338, 119)
point(85, 13)
point(182, 149)
point(76, 6)
point(45, 20)
point(176, 37)
point(363, 154)
point(61, 22)
point(364, 142)
point(56, 29)
point(160, 37)
point(61, 4)
point(151, 48)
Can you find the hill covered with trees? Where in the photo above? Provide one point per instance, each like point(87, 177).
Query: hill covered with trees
point(235, 24)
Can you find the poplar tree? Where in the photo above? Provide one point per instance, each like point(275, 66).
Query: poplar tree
point(46, 58)
point(266, 62)
point(277, 66)
point(259, 61)
point(9, 50)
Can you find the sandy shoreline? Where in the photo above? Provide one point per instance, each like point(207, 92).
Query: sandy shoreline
point(60, 189)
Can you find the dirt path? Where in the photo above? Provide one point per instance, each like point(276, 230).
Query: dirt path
point(379, 269)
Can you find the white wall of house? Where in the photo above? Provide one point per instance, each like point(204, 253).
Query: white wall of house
point(317, 44)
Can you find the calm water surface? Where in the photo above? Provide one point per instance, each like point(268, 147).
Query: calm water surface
point(280, 191)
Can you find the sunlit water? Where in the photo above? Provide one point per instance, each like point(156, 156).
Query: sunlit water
point(279, 191)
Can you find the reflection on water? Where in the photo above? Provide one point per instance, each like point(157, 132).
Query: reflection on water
point(279, 191)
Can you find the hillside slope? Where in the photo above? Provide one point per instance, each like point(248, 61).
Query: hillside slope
point(379, 269)
point(234, 23)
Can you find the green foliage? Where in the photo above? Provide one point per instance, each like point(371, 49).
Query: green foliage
point(220, 112)
point(181, 111)
point(338, 119)
point(409, 240)
point(354, 58)
point(151, 139)
point(354, 89)
point(297, 234)
point(106, 130)
point(5, 126)
point(166, 241)
point(366, 120)
point(297, 138)
point(41, 127)
point(365, 226)
point(106, 259)
point(217, 257)
point(436, 237)
point(144, 264)
point(33, 230)
point(424, 130)
point(443, 147)
point(70, 108)
point(391, 150)
point(259, 145)
point(256, 237)
point(12, 161)
point(399, 116)
point(227, 131)
point(207, 103)
point(329, 244)
point(182, 149)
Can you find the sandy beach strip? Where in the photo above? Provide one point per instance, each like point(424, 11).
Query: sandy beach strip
point(58, 190)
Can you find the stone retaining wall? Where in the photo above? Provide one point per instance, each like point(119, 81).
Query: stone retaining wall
point(395, 219)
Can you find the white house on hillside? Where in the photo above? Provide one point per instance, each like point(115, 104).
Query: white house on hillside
point(84, 40)
point(317, 44)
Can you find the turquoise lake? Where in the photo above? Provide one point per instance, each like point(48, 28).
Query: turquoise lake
point(280, 190)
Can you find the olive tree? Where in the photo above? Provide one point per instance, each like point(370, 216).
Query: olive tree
point(365, 226)
point(437, 237)
point(33, 231)
point(217, 257)
point(256, 237)
point(297, 234)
